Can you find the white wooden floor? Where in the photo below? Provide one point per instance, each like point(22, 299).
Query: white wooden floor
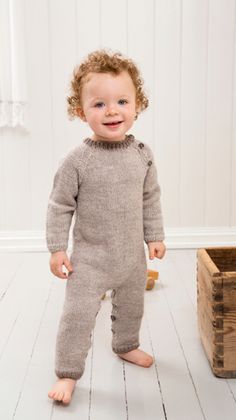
point(180, 386)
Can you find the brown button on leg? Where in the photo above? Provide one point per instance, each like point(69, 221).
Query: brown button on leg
point(113, 293)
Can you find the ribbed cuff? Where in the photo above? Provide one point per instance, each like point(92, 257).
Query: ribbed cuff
point(69, 375)
point(57, 247)
point(125, 349)
point(154, 238)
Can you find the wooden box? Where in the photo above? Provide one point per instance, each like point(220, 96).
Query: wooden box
point(216, 307)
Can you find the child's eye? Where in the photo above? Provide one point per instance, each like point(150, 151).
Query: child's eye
point(99, 104)
point(123, 101)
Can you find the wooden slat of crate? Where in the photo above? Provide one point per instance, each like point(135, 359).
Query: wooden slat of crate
point(217, 313)
point(206, 315)
point(209, 308)
point(229, 291)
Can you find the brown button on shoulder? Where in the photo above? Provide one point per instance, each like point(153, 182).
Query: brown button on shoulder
point(141, 145)
point(149, 163)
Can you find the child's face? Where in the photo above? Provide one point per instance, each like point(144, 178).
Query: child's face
point(108, 105)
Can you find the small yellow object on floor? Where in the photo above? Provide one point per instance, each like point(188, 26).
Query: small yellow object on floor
point(151, 277)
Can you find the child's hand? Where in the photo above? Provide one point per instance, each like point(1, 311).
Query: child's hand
point(56, 262)
point(156, 249)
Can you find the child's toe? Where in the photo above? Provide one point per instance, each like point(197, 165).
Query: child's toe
point(50, 394)
point(66, 398)
point(149, 361)
point(57, 396)
point(61, 396)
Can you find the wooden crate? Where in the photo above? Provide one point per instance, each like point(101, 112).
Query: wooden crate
point(216, 306)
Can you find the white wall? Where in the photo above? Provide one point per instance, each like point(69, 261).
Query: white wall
point(186, 51)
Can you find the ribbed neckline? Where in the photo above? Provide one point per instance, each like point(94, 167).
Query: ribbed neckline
point(112, 144)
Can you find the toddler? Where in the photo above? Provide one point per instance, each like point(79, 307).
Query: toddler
point(110, 183)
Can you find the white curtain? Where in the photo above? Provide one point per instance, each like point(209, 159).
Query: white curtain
point(13, 75)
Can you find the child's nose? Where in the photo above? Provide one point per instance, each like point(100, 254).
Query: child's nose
point(111, 110)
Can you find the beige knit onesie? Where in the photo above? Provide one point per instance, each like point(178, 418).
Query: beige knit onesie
point(112, 189)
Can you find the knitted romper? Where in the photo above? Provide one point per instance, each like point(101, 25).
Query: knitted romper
point(112, 190)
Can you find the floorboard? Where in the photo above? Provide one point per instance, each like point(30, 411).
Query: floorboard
point(180, 384)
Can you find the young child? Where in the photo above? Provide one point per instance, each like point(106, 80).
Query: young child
point(110, 182)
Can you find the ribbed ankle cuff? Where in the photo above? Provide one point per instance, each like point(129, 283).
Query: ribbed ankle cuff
point(125, 349)
point(69, 375)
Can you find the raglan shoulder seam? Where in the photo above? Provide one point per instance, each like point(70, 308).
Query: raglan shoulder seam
point(79, 157)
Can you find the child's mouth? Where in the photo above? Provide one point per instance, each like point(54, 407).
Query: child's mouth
point(113, 124)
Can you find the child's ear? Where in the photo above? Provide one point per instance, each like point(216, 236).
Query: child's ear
point(137, 109)
point(137, 114)
point(81, 114)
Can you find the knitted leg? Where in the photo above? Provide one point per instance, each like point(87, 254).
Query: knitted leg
point(127, 312)
point(82, 303)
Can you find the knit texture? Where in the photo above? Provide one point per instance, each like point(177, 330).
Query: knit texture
point(84, 290)
point(112, 190)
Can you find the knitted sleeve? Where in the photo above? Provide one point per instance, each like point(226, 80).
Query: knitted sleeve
point(61, 206)
point(152, 213)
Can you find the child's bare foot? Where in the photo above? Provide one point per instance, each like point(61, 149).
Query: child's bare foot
point(138, 357)
point(63, 390)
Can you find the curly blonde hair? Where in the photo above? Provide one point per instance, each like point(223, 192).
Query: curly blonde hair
point(103, 61)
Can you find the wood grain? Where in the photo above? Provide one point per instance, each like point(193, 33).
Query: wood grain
point(217, 308)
